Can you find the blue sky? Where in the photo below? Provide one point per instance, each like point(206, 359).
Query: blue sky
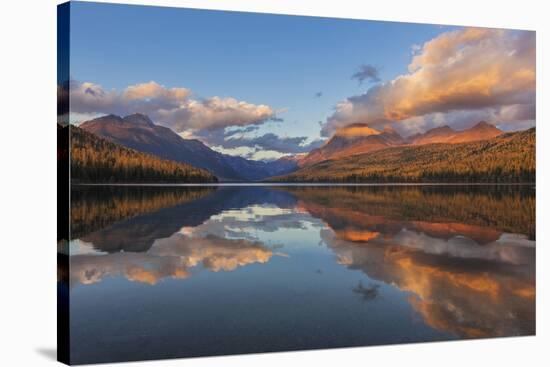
point(263, 59)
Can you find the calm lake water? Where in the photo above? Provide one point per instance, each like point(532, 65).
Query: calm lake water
point(159, 272)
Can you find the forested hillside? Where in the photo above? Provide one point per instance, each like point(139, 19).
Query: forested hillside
point(96, 160)
point(506, 158)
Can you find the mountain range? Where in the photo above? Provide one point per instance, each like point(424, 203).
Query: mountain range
point(359, 139)
point(138, 132)
point(445, 134)
point(353, 153)
point(508, 157)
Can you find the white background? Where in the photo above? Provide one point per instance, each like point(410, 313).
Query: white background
point(28, 192)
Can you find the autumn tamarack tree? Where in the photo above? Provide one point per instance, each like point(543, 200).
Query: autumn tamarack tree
point(504, 207)
point(93, 208)
point(96, 160)
point(508, 158)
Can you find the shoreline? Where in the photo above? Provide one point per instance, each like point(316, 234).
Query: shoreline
point(320, 184)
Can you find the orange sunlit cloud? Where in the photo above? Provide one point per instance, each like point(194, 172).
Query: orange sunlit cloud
point(462, 70)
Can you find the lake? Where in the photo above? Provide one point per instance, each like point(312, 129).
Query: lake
point(165, 272)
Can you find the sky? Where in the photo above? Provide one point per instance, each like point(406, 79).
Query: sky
point(263, 86)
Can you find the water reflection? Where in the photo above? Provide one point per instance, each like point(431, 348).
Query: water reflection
point(169, 257)
point(460, 259)
point(468, 296)
point(463, 278)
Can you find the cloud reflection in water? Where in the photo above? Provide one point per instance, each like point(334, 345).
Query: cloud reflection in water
point(463, 272)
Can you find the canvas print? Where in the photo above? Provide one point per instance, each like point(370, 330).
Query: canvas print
point(234, 182)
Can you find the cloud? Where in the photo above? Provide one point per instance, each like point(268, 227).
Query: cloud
point(153, 90)
point(470, 69)
point(222, 123)
point(368, 293)
point(215, 113)
point(238, 141)
point(445, 291)
point(251, 222)
point(224, 242)
point(508, 117)
point(172, 107)
point(271, 141)
point(367, 73)
point(172, 257)
point(250, 153)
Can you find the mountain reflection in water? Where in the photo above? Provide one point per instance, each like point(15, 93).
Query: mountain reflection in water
point(433, 262)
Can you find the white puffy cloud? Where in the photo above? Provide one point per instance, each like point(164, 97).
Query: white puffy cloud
point(172, 257)
point(253, 153)
point(219, 122)
point(172, 107)
point(462, 70)
point(215, 112)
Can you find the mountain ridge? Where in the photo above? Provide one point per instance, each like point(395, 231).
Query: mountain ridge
point(138, 132)
point(508, 157)
point(345, 143)
point(352, 140)
point(445, 134)
point(97, 160)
